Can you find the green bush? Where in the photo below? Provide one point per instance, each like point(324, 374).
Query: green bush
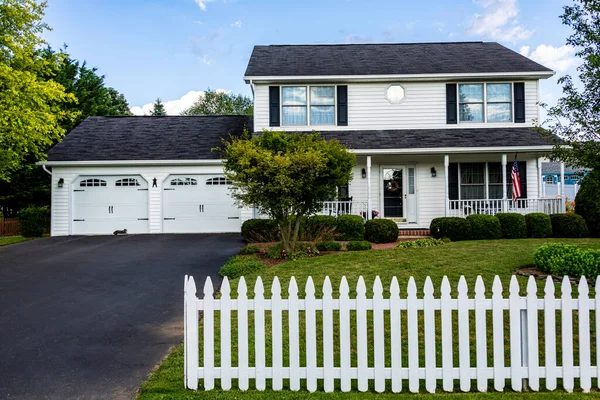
point(260, 230)
point(249, 250)
point(484, 227)
point(242, 265)
point(381, 231)
point(513, 225)
point(358, 245)
point(563, 259)
point(276, 251)
point(320, 228)
point(453, 228)
point(587, 202)
point(33, 221)
point(329, 246)
point(568, 226)
point(539, 225)
point(429, 242)
point(350, 227)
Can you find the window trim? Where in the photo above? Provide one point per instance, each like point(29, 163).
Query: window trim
point(486, 181)
point(485, 102)
point(308, 104)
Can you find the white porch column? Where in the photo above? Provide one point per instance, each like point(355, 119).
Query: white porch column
point(369, 202)
point(447, 191)
point(504, 198)
point(540, 183)
point(562, 187)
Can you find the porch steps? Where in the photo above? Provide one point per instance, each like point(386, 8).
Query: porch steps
point(414, 233)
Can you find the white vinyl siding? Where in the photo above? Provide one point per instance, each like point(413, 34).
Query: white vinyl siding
point(423, 107)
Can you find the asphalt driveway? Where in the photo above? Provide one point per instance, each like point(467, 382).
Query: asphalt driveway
point(89, 317)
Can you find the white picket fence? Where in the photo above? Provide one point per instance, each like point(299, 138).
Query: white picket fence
point(526, 368)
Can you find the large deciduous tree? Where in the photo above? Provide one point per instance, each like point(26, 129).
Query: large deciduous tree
point(220, 103)
point(287, 176)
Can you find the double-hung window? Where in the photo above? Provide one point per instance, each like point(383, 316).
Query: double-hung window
point(472, 181)
point(485, 102)
point(312, 105)
point(471, 102)
point(499, 102)
point(293, 106)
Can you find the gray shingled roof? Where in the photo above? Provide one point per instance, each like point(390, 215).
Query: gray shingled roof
point(147, 138)
point(387, 59)
point(192, 138)
point(554, 167)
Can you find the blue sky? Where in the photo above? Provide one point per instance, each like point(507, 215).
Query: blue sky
point(174, 49)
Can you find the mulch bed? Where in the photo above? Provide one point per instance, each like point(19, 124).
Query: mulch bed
point(540, 275)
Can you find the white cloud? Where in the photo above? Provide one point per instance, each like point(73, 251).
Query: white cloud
point(237, 24)
point(173, 107)
point(498, 20)
point(559, 59)
point(202, 3)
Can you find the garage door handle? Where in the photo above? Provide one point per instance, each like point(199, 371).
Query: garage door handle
point(79, 220)
point(142, 219)
point(169, 219)
point(168, 189)
point(233, 217)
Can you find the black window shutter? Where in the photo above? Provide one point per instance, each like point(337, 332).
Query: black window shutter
point(451, 117)
point(274, 106)
point(453, 181)
point(342, 104)
point(519, 102)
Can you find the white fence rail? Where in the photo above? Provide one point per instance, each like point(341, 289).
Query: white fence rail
point(337, 208)
point(550, 190)
point(396, 325)
point(463, 208)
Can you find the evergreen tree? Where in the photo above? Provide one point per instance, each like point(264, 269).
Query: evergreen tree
point(159, 109)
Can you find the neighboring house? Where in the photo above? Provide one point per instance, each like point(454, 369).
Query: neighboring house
point(435, 128)
point(551, 173)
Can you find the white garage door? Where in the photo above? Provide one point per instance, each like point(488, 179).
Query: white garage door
point(199, 204)
point(104, 204)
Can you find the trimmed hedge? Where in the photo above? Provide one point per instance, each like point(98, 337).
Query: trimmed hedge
point(242, 265)
point(329, 246)
point(562, 259)
point(33, 221)
point(568, 226)
point(260, 230)
point(429, 242)
point(358, 246)
point(350, 227)
point(320, 227)
point(539, 225)
point(453, 228)
point(485, 227)
point(587, 202)
point(381, 231)
point(513, 225)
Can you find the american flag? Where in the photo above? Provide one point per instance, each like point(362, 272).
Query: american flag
point(516, 181)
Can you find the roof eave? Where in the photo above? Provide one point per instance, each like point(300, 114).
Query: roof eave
point(120, 163)
point(455, 150)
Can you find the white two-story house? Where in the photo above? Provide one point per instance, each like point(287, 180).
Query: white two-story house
point(436, 128)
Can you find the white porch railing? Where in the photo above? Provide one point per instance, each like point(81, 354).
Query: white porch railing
point(463, 208)
point(337, 208)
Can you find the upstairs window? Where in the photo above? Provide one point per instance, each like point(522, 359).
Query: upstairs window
point(294, 105)
point(308, 105)
point(127, 182)
point(322, 105)
point(485, 102)
point(92, 183)
point(471, 102)
point(499, 102)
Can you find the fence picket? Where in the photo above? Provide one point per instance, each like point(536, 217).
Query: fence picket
point(413, 336)
point(361, 335)
point(328, 379)
point(378, 336)
point(584, 336)
point(550, 333)
point(395, 333)
point(225, 335)
point(567, 335)
point(185, 331)
point(209, 340)
point(429, 332)
point(464, 353)
point(481, 335)
point(191, 346)
point(597, 318)
point(515, 335)
point(294, 335)
point(345, 371)
point(277, 324)
point(532, 336)
point(242, 314)
point(498, 334)
point(311, 336)
point(259, 334)
point(446, 317)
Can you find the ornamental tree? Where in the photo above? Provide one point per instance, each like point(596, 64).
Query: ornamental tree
point(287, 176)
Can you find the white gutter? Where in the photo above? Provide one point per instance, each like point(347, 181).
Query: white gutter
point(44, 168)
point(446, 150)
point(402, 77)
point(128, 162)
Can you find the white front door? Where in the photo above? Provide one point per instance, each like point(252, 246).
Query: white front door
point(199, 204)
point(104, 204)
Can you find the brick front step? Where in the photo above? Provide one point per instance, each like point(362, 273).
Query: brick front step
point(415, 232)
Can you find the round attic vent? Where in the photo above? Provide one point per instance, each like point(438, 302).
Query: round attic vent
point(394, 94)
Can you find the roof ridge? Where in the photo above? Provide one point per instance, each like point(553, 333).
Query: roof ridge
point(374, 44)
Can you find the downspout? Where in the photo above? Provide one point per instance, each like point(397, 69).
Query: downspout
point(46, 169)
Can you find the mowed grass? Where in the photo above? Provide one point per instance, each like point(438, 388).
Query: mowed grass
point(485, 258)
point(5, 241)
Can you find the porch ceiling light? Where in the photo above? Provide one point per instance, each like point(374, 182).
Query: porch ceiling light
point(433, 172)
point(363, 173)
point(61, 182)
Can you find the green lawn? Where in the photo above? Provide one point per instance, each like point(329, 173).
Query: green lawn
point(5, 241)
point(485, 258)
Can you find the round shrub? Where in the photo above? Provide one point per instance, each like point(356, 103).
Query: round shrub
point(33, 221)
point(587, 202)
point(249, 250)
point(381, 231)
point(350, 227)
point(260, 230)
point(484, 227)
point(568, 226)
point(242, 265)
point(539, 225)
point(320, 227)
point(563, 259)
point(513, 225)
point(329, 246)
point(358, 245)
point(453, 228)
